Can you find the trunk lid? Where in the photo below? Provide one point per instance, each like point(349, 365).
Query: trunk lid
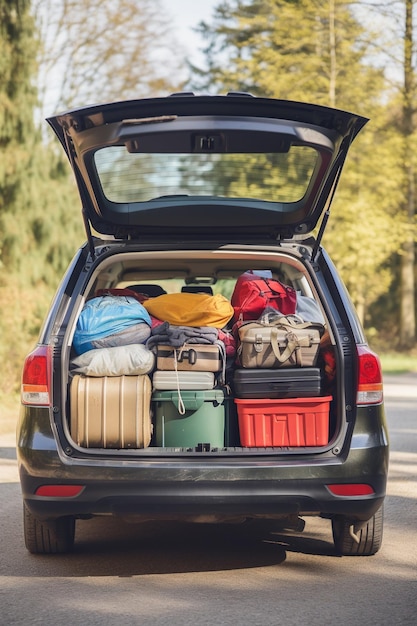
point(230, 168)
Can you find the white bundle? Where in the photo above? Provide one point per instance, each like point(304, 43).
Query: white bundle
point(130, 360)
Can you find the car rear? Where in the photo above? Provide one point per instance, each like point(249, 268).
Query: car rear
point(341, 476)
point(184, 200)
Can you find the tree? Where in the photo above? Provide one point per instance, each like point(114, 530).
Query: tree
point(287, 49)
point(397, 52)
point(36, 228)
point(320, 52)
point(57, 54)
point(17, 70)
point(409, 134)
point(95, 51)
point(17, 130)
point(17, 137)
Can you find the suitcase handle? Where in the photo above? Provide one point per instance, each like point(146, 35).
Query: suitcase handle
point(190, 354)
point(187, 355)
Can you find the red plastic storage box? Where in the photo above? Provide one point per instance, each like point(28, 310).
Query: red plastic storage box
point(286, 422)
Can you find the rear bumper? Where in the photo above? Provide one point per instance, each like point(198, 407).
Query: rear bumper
point(174, 500)
point(183, 488)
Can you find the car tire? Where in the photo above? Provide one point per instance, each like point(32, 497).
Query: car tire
point(48, 537)
point(369, 535)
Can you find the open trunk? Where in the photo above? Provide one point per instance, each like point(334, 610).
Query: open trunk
point(220, 410)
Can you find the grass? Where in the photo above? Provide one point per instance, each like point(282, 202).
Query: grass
point(9, 411)
point(398, 362)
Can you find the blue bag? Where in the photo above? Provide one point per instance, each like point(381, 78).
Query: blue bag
point(108, 321)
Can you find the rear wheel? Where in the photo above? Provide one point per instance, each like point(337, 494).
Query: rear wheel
point(48, 537)
point(357, 539)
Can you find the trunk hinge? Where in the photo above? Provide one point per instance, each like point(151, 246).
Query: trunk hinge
point(320, 234)
point(339, 165)
point(80, 185)
point(89, 235)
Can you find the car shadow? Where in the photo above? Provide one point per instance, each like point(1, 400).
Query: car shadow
point(109, 546)
point(112, 548)
point(172, 547)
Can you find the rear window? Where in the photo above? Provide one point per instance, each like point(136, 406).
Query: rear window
point(139, 177)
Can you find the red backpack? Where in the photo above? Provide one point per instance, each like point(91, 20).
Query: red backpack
point(252, 294)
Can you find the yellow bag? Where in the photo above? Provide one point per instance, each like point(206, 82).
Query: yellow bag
point(191, 309)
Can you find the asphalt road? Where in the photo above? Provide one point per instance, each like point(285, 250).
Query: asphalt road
point(121, 574)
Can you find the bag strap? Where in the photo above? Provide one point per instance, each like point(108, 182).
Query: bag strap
point(181, 407)
point(222, 351)
point(281, 291)
point(292, 346)
point(290, 321)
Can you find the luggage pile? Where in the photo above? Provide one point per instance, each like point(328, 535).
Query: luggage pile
point(111, 385)
point(276, 382)
point(190, 398)
point(197, 371)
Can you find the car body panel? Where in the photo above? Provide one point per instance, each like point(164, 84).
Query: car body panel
point(186, 488)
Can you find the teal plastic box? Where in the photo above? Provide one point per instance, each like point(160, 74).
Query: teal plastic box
point(205, 420)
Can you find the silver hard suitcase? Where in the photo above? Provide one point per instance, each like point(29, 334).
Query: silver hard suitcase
point(111, 411)
point(166, 380)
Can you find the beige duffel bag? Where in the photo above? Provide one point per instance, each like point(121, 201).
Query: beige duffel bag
point(284, 342)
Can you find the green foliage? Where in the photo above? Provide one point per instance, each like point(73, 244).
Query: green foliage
point(398, 363)
point(18, 47)
point(303, 50)
point(17, 99)
point(365, 229)
point(40, 212)
point(38, 227)
point(319, 52)
point(39, 236)
point(300, 50)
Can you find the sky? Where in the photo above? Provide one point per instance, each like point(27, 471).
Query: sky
point(187, 14)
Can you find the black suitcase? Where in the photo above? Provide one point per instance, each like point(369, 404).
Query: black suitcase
point(295, 382)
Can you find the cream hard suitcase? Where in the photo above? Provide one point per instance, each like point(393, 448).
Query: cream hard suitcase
point(111, 411)
point(190, 357)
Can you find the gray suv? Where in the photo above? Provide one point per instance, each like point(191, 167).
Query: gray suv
point(181, 197)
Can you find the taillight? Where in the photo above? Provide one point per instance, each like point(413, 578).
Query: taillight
point(36, 377)
point(59, 491)
point(369, 377)
point(351, 489)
